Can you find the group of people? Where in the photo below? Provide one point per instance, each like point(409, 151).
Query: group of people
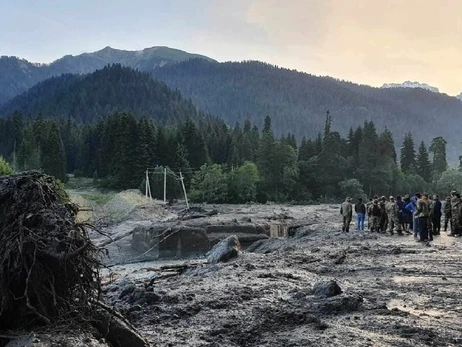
point(419, 215)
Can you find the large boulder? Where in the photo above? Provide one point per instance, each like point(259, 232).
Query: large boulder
point(224, 250)
point(327, 289)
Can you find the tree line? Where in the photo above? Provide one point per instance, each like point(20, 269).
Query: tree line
point(228, 164)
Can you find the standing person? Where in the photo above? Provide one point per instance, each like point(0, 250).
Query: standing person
point(411, 207)
point(383, 214)
point(346, 210)
point(407, 215)
point(369, 213)
point(400, 207)
point(422, 213)
point(360, 210)
point(392, 213)
point(376, 214)
point(455, 213)
point(447, 213)
point(436, 215)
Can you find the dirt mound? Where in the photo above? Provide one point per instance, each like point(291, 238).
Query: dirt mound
point(130, 204)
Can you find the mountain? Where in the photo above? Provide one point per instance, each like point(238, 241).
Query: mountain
point(459, 96)
point(297, 102)
point(409, 84)
point(87, 98)
point(18, 75)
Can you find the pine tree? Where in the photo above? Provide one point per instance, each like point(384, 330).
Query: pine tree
point(318, 144)
point(53, 157)
point(367, 160)
point(267, 125)
point(327, 125)
point(424, 167)
point(195, 144)
point(306, 150)
point(386, 145)
point(439, 162)
point(408, 163)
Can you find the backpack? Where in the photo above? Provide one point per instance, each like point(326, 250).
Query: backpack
point(375, 210)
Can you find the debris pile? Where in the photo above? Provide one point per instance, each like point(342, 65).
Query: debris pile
point(48, 265)
point(49, 268)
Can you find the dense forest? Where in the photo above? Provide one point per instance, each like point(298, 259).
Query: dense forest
point(236, 92)
point(298, 101)
point(86, 98)
point(228, 164)
point(18, 75)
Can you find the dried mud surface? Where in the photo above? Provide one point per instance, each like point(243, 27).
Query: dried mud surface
point(395, 291)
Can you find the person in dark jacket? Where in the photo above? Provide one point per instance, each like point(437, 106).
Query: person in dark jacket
point(407, 215)
point(447, 214)
point(436, 215)
point(360, 210)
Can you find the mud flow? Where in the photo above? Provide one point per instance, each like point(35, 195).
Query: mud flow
point(302, 282)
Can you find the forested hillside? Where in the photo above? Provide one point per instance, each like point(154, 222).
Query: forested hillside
point(298, 101)
point(225, 164)
point(87, 98)
point(18, 75)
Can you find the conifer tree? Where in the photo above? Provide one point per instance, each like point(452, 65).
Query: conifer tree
point(53, 158)
point(327, 125)
point(439, 162)
point(424, 167)
point(408, 163)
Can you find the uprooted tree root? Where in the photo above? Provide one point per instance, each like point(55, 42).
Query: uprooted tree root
point(49, 268)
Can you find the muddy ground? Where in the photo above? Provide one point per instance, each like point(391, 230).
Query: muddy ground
point(394, 291)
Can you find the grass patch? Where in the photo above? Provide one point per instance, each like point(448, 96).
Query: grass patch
point(99, 199)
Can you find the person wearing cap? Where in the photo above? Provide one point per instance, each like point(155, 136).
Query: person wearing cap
point(346, 210)
point(360, 210)
point(447, 213)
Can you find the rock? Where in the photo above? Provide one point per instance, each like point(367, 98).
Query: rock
point(128, 289)
point(327, 289)
point(225, 250)
point(303, 232)
point(340, 259)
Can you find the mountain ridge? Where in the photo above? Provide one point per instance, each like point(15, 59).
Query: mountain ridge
point(90, 97)
point(17, 74)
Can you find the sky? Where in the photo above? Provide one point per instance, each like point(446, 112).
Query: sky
point(364, 41)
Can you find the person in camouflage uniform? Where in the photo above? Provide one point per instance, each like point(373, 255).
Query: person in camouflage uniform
point(393, 217)
point(375, 216)
point(455, 214)
point(346, 210)
point(383, 214)
point(369, 213)
point(447, 213)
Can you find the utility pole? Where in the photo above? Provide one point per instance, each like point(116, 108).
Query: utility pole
point(165, 185)
point(184, 190)
point(146, 184)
